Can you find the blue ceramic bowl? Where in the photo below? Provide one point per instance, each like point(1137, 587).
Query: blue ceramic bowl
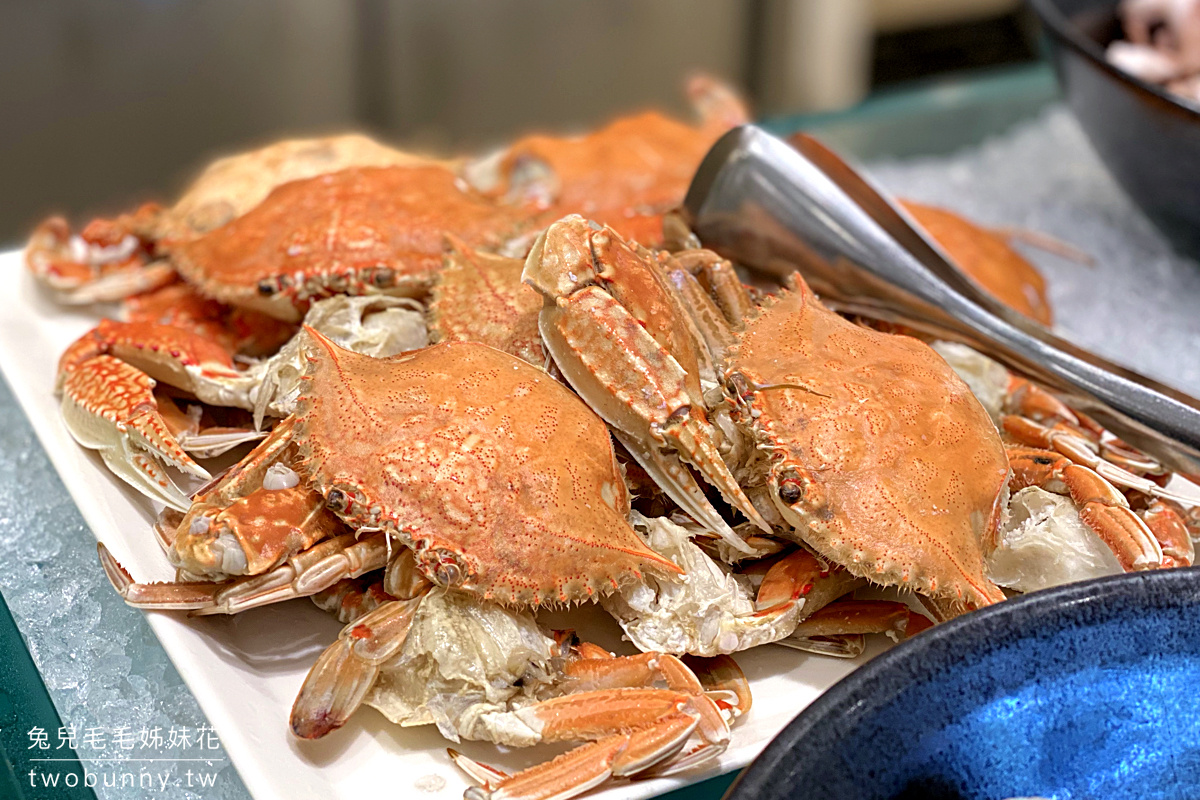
point(1085, 691)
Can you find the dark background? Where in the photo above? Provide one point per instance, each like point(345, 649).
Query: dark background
point(109, 103)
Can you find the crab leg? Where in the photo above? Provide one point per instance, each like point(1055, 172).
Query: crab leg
point(402, 579)
point(589, 766)
point(482, 774)
point(1167, 522)
point(596, 674)
point(1031, 402)
point(634, 730)
point(800, 574)
point(716, 275)
point(723, 680)
point(207, 442)
point(109, 406)
point(254, 517)
point(343, 674)
point(304, 574)
point(351, 599)
point(839, 628)
point(707, 318)
point(1077, 448)
point(1101, 507)
point(719, 106)
point(862, 616)
point(588, 650)
point(836, 626)
point(612, 359)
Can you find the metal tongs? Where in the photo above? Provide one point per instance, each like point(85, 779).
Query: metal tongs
point(776, 207)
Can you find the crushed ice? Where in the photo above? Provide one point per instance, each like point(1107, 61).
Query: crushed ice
point(1137, 304)
point(99, 659)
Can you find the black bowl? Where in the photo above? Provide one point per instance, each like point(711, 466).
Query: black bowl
point(1149, 140)
point(1084, 691)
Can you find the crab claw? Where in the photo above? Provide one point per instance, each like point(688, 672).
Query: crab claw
point(339, 681)
point(623, 342)
point(106, 261)
point(839, 628)
point(1101, 507)
point(175, 356)
point(308, 573)
point(482, 774)
point(109, 406)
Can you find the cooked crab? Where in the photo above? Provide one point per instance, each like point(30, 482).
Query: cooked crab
point(482, 464)
point(232, 186)
point(986, 256)
point(627, 174)
point(107, 260)
point(480, 671)
point(462, 452)
point(112, 403)
point(440, 439)
point(866, 447)
point(363, 230)
point(1056, 449)
point(112, 259)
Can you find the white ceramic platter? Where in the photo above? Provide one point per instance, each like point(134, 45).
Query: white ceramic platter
point(246, 670)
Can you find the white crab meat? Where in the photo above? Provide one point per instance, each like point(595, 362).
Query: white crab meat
point(987, 379)
point(709, 611)
point(1044, 543)
point(374, 325)
point(97, 255)
point(461, 663)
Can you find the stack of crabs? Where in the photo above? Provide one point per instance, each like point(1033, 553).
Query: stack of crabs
point(479, 387)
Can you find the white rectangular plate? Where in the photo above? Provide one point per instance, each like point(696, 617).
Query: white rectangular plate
point(245, 670)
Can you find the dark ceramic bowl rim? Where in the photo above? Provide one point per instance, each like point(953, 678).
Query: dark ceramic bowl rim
point(847, 697)
point(1066, 33)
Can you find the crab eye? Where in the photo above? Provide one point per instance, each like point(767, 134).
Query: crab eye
point(448, 574)
point(791, 488)
point(679, 415)
point(337, 500)
point(266, 288)
point(740, 385)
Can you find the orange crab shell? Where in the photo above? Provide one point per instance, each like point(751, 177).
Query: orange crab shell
point(989, 259)
point(503, 482)
point(880, 455)
point(479, 297)
point(161, 351)
point(231, 186)
point(627, 174)
point(358, 231)
point(237, 330)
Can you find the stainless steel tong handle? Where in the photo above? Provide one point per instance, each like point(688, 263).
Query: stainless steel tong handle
point(761, 202)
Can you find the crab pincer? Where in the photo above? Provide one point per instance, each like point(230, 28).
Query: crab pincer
point(624, 342)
